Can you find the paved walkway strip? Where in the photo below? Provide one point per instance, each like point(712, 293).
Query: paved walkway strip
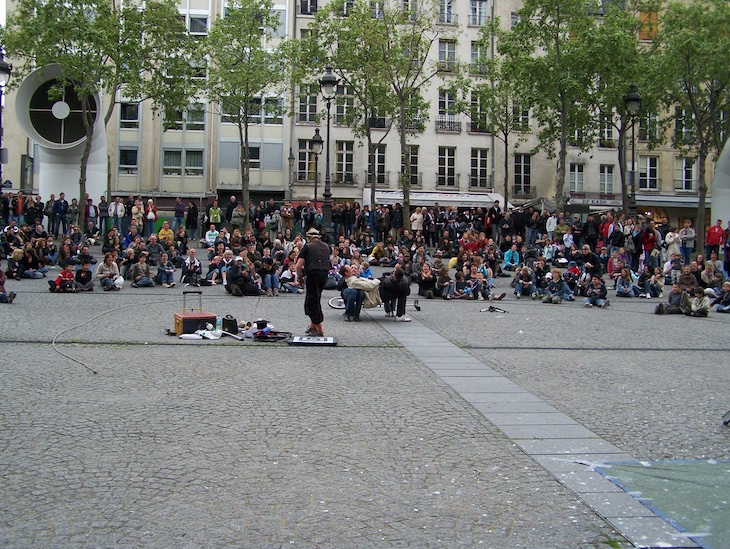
point(566, 449)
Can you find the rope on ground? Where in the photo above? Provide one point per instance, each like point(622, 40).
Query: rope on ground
point(77, 361)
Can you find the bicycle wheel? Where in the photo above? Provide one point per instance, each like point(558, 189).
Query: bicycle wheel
point(336, 302)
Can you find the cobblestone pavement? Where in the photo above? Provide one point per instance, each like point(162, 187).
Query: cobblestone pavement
point(189, 444)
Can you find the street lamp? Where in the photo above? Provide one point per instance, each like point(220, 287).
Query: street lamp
point(5, 72)
point(328, 87)
point(317, 145)
point(291, 174)
point(632, 100)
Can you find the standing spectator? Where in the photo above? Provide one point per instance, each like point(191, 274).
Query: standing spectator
point(191, 221)
point(348, 220)
point(117, 212)
point(48, 212)
point(60, 211)
point(150, 218)
point(178, 218)
point(92, 212)
point(73, 213)
point(231, 207)
point(396, 221)
point(714, 238)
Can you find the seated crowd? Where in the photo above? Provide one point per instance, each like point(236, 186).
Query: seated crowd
point(448, 254)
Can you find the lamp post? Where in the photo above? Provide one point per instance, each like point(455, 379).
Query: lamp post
point(328, 87)
point(291, 174)
point(317, 145)
point(632, 100)
point(5, 72)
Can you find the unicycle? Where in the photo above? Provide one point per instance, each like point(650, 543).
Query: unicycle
point(336, 302)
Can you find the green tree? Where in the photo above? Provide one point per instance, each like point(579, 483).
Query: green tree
point(546, 49)
point(247, 65)
point(349, 38)
point(617, 32)
point(102, 47)
point(692, 50)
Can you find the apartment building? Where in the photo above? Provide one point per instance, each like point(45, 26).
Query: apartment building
point(453, 160)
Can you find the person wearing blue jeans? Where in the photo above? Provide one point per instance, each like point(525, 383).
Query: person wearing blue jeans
point(355, 292)
point(269, 276)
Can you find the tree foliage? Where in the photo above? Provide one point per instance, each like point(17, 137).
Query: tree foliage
point(692, 63)
point(247, 65)
point(102, 47)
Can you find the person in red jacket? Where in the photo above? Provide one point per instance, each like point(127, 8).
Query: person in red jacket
point(649, 242)
point(714, 238)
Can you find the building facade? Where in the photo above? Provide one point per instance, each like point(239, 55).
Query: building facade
point(199, 156)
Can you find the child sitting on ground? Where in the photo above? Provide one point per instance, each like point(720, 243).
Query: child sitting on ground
point(65, 280)
point(462, 288)
point(444, 284)
point(84, 279)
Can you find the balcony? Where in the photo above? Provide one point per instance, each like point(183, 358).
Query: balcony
point(447, 18)
point(447, 181)
point(448, 123)
point(415, 180)
point(347, 178)
point(447, 65)
point(476, 127)
point(686, 187)
point(477, 69)
point(379, 123)
point(478, 20)
point(607, 143)
point(650, 186)
point(483, 183)
point(523, 193)
point(415, 124)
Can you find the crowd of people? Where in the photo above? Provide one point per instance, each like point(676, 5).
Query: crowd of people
point(447, 253)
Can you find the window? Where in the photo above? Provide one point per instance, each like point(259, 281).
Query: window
point(376, 9)
point(722, 123)
point(447, 167)
point(576, 178)
point(128, 161)
point(172, 163)
point(649, 127)
point(344, 104)
point(347, 7)
point(446, 12)
point(344, 161)
point(308, 103)
point(273, 109)
point(198, 25)
point(649, 173)
point(195, 117)
point(380, 174)
point(606, 179)
point(174, 120)
point(683, 127)
point(306, 164)
point(684, 174)
point(606, 139)
point(522, 174)
point(521, 119)
point(410, 9)
point(479, 177)
point(478, 58)
point(648, 29)
point(446, 121)
point(414, 178)
point(308, 7)
point(193, 162)
point(447, 55)
point(514, 19)
point(478, 13)
point(255, 111)
point(478, 116)
point(254, 157)
point(129, 115)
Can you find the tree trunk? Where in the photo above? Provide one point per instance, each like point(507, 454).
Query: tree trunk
point(245, 171)
point(506, 171)
point(622, 167)
point(89, 127)
point(405, 178)
point(702, 196)
point(562, 157)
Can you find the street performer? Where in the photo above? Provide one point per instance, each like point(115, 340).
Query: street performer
point(313, 265)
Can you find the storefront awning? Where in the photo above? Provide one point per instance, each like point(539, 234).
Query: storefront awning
point(429, 198)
